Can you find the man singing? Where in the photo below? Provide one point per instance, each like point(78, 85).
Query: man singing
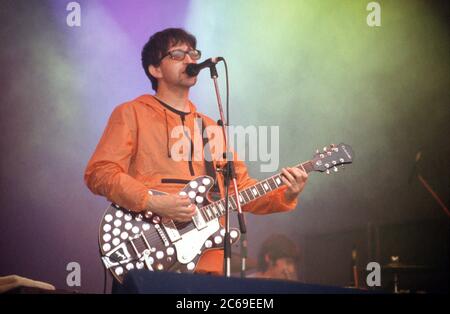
point(136, 151)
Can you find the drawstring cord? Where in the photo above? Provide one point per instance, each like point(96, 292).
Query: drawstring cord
point(167, 135)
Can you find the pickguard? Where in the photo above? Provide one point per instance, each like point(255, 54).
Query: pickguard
point(192, 242)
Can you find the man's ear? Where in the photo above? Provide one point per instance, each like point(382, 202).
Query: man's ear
point(155, 71)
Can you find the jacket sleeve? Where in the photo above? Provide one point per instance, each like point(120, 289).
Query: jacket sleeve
point(107, 171)
point(272, 202)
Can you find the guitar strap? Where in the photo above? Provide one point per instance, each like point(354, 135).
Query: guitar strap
point(209, 165)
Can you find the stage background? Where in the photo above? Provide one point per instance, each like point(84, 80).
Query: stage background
point(313, 68)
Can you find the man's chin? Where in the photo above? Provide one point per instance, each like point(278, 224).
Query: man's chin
point(190, 82)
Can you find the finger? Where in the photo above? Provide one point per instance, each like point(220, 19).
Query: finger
point(184, 202)
point(182, 197)
point(295, 172)
point(192, 209)
point(287, 175)
point(296, 176)
point(188, 210)
point(9, 279)
point(8, 286)
point(286, 182)
point(304, 176)
point(299, 174)
point(183, 218)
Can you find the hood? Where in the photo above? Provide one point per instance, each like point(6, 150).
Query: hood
point(172, 118)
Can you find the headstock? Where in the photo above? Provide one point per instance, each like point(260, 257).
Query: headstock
point(332, 157)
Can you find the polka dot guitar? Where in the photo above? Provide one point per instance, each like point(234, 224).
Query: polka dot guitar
point(130, 240)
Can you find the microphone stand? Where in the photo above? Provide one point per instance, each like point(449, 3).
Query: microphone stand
point(229, 175)
point(426, 185)
point(434, 194)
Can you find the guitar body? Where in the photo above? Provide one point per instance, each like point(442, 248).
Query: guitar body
point(131, 240)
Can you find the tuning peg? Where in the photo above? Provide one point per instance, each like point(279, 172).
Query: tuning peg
point(335, 169)
point(328, 171)
point(325, 149)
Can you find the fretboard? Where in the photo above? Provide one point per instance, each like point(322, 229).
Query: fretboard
point(217, 209)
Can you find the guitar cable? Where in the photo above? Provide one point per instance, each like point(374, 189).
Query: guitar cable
point(104, 280)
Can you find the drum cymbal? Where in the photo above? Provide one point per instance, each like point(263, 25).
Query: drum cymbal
point(397, 266)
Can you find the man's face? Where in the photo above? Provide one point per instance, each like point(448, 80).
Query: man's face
point(283, 268)
point(171, 73)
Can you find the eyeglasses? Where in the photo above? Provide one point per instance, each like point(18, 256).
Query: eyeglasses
point(179, 54)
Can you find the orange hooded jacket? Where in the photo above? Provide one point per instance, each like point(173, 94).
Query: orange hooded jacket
point(134, 155)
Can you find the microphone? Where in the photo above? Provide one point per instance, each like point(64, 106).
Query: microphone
point(192, 69)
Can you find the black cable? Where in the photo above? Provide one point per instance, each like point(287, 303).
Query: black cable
point(228, 90)
point(104, 280)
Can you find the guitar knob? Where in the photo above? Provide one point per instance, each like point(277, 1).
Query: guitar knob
point(341, 159)
point(148, 214)
point(156, 220)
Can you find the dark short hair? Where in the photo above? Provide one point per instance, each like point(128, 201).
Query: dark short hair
point(277, 246)
point(158, 45)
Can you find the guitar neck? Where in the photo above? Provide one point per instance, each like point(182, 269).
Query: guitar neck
point(217, 209)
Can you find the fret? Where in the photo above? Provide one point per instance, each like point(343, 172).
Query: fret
point(224, 203)
point(249, 194)
point(221, 207)
point(233, 202)
point(230, 204)
point(266, 186)
point(245, 196)
point(260, 189)
point(241, 198)
point(214, 210)
point(278, 180)
point(308, 166)
point(210, 215)
point(272, 183)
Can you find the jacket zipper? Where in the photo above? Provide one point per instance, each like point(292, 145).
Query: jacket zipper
point(191, 167)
